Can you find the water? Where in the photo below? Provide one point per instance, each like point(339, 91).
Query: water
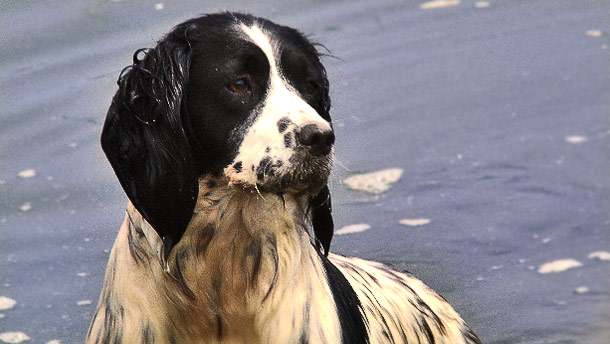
point(478, 106)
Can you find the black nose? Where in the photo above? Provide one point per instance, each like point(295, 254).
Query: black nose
point(318, 140)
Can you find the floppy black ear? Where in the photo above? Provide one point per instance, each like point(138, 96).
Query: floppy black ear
point(146, 144)
point(322, 219)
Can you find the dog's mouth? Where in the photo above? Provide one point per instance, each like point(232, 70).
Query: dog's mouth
point(309, 174)
point(302, 172)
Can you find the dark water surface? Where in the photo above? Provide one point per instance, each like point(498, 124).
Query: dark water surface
point(499, 117)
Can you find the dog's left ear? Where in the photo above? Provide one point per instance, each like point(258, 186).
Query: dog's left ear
point(322, 219)
point(145, 141)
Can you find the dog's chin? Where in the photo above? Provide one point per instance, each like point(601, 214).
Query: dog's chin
point(306, 176)
point(297, 183)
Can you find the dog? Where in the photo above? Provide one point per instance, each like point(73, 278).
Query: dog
point(222, 140)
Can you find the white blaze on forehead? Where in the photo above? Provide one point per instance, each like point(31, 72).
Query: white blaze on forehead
point(279, 89)
point(282, 99)
point(263, 140)
point(259, 38)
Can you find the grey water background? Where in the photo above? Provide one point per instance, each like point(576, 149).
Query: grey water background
point(474, 104)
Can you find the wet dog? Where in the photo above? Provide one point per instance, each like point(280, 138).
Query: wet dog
point(222, 140)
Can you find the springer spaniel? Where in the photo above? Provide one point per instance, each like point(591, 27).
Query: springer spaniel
point(222, 140)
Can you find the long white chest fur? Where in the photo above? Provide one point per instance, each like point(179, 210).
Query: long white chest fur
point(246, 272)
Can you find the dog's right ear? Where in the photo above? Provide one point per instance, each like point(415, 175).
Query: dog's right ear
point(145, 141)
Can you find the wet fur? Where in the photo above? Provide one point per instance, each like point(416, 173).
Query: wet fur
point(245, 271)
point(242, 256)
point(227, 233)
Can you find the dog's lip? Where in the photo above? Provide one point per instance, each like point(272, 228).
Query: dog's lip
point(296, 182)
point(315, 152)
point(279, 185)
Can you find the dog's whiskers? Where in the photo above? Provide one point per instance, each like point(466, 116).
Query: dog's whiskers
point(335, 159)
point(258, 191)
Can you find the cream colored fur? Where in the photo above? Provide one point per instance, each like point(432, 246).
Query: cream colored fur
point(246, 272)
point(214, 291)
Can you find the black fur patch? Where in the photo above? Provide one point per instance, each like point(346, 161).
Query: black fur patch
point(238, 166)
point(322, 219)
point(181, 260)
point(471, 337)
point(113, 320)
point(437, 321)
point(215, 299)
point(349, 308)
point(148, 336)
point(271, 244)
point(265, 167)
point(288, 140)
point(252, 258)
point(136, 251)
point(205, 236)
point(283, 124)
point(423, 325)
point(306, 312)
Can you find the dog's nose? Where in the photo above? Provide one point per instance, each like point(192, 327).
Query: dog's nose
point(319, 141)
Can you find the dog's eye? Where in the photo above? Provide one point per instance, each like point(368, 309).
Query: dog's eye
point(240, 86)
point(310, 87)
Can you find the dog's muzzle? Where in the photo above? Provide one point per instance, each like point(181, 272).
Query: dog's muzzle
point(300, 162)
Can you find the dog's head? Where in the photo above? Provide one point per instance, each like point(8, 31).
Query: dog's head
point(229, 95)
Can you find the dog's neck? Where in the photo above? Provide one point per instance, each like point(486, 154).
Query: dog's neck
point(245, 261)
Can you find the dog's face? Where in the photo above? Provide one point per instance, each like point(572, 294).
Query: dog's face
point(228, 95)
point(258, 108)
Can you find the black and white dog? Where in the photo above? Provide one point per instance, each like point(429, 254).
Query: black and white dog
point(222, 140)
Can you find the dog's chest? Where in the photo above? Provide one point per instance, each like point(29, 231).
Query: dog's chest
point(248, 261)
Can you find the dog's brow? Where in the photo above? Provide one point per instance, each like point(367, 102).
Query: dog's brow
point(262, 40)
